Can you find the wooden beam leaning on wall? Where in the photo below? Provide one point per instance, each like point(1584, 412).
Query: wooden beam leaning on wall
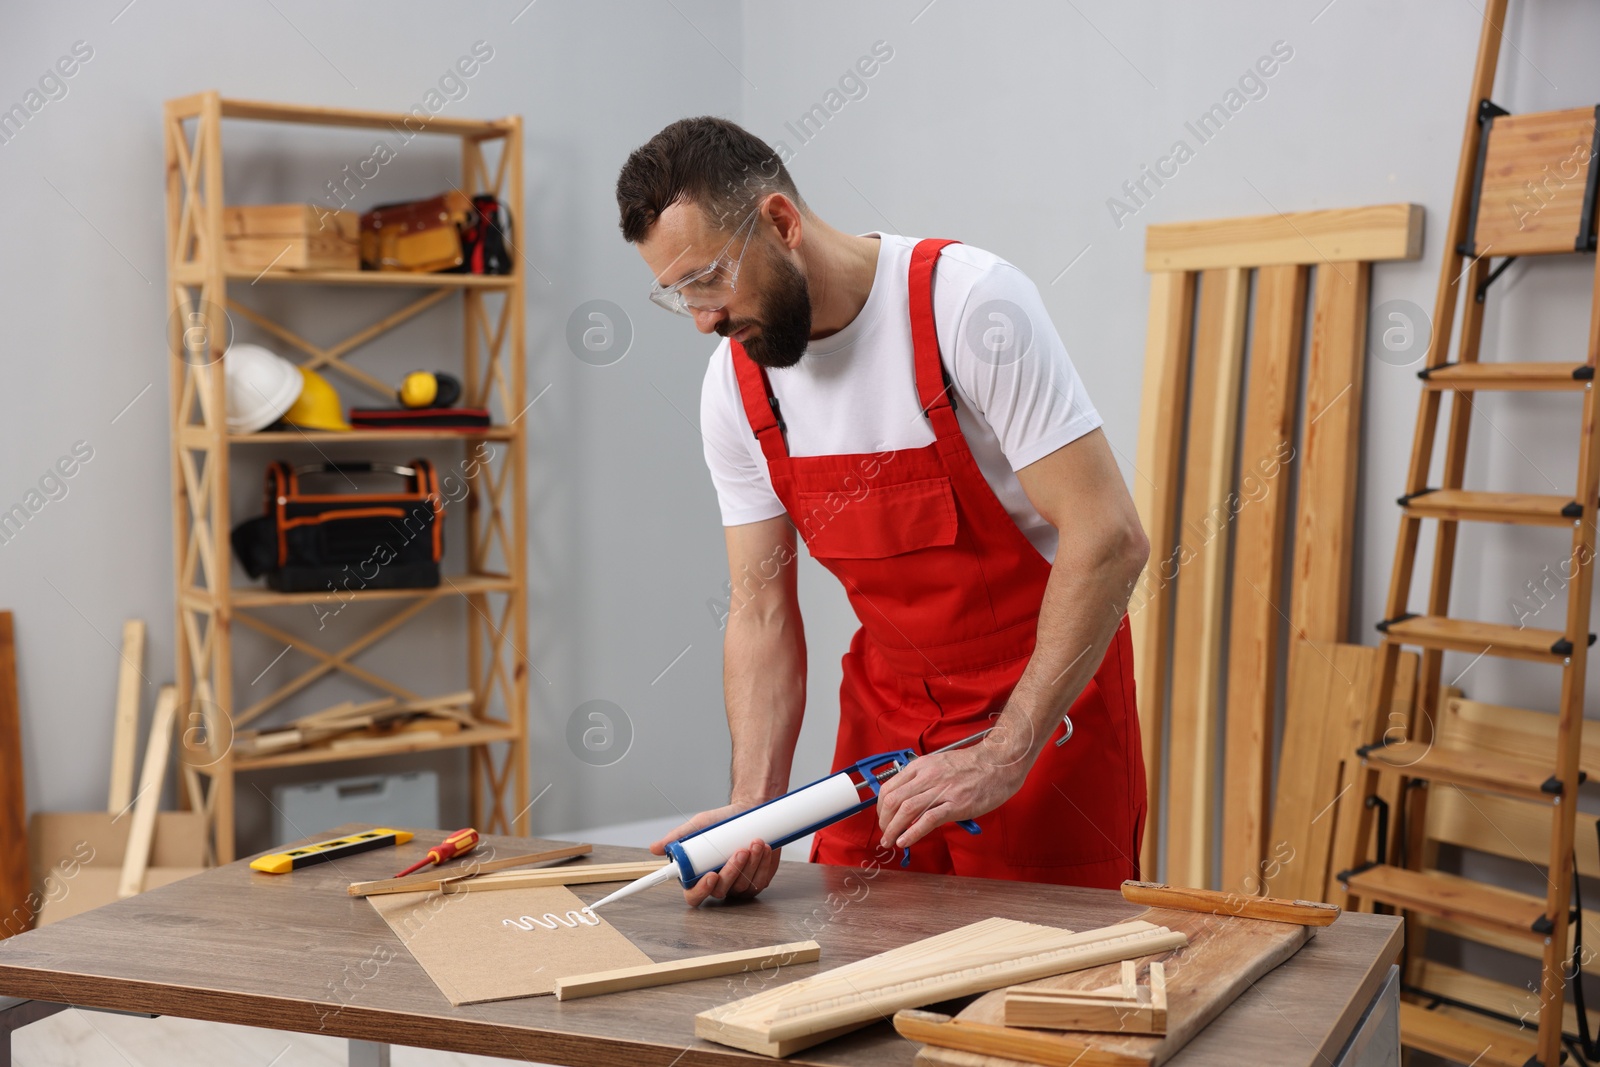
point(1201, 457)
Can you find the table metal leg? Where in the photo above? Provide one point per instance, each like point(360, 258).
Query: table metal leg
point(15, 1014)
point(366, 1054)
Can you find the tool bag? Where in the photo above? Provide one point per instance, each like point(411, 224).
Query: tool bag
point(451, 233)
point(345, 540)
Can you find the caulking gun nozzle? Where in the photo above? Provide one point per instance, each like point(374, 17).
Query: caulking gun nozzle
point(667, 871)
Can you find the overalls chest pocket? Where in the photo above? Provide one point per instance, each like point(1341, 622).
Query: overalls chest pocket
point(863, 520)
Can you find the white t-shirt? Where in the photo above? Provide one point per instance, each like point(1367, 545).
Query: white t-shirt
point(1018, 395)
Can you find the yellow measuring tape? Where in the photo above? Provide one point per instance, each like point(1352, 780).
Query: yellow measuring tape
point(322, 851)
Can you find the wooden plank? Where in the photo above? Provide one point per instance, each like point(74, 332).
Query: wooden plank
point(125, 728)
point(1474, 636)
point(14, 902)
point(1202, 570)
point(1487, 993)
point(387, 121)
point(1462, 1039)
point(942, 1032)
point(1380, 232)
point(1520, 733)
point(1319, 599)
point(696, 967)
point(437, 878)
point(1535, 174)
point(151, 779)
point(597, 872)
point(1157, 473)
point(1254, 655)
point(1222, 959)
point(1450, 896)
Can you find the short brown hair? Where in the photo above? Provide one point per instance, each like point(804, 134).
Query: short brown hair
point(713, 163)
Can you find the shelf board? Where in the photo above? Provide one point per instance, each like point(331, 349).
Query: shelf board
point(193, 273)
point(492, 433)
point(399, 745)
point(310, 115)
point(450, 585)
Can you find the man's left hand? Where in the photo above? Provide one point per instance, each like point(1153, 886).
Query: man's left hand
point(946, 787)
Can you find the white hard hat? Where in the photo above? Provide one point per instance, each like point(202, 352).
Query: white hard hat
point(260, 384)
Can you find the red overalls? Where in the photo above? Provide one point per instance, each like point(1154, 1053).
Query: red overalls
point(948, 590)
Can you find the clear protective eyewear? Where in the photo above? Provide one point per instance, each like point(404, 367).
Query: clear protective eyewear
point(710, 287)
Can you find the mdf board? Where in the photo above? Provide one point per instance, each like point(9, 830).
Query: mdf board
point(1265, 474)
point(1202, 569)
point(13, 800)
point(1223, 957)
point(1157, 471)
point(1155, 492)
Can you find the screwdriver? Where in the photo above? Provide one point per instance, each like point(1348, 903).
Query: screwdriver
point(457, 844)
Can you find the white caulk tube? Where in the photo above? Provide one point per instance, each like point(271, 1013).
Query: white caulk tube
point(777, 822)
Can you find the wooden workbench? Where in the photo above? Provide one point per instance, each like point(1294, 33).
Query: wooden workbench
point(295, 952)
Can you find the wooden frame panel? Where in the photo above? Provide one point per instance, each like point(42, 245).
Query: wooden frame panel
point(1370, 234)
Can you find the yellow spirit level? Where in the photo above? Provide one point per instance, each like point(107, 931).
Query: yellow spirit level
point(335, 849)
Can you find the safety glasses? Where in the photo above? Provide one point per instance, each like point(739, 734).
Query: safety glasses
point(712, 286)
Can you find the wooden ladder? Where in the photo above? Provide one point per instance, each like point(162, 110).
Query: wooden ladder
point(1524, 186)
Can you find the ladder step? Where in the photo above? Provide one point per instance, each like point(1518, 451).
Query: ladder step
point(1524, 377)
point(1451, 897)
point(1489, 771)
point(1521, 509)
point(1472, 636)
point(1463, 1040)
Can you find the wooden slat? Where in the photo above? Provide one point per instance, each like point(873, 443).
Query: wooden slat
point(1519, 509)
point(125, 729)
point(1203, 559)
point(436, 879)
point(1474, 769)
point(1487, 993)
point(15, 914)
point(1520, 733)
point(1508, 377)
point(1254, 655)
point(577, 875)
point(1380, 232)
point(1505, 826)
point(1463, 1040)
point(1452, 897)
point(151, 779)
point(1330, 455)
point(689, 970)
point(1472, 636)
point(388, 121)
point(1155, 495)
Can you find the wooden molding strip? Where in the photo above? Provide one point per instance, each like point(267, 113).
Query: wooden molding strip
point(657, 974)
point(597, 872)
point(1369, 234)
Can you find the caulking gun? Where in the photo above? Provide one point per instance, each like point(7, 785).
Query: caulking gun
point(790, 817)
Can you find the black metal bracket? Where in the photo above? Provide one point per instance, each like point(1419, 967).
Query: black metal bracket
point(1585, 241)
point(1382, 806)
point(1573, 510)
point(1383, 627)
point(1488, 111)
point(1344, 877)
point(1563, 647)
point(1365, 750)
point(1552, 785)
point(1543, 925)
point(1405, 501)
point(1483, 289)
point(1583, 373)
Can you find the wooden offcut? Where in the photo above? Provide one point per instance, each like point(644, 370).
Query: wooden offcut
point(650, 975)
point(473, 868)
point(151, 780)
point(15, 910)
point(577, 875)
point(1124, 1008)
point(125, 727)
point(985, 955)
point(1232, 905)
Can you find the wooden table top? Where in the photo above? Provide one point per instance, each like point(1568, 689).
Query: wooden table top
point(295, 952)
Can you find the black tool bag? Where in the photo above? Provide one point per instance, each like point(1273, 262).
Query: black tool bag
point(342, 538)
point(483, 238)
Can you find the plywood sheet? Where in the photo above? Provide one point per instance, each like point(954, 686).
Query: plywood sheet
point(498, 946)
point(1223, 958)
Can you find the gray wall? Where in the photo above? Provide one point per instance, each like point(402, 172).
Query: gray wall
point(1006, 125)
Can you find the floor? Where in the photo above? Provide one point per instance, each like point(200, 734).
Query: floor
point(75, 1038)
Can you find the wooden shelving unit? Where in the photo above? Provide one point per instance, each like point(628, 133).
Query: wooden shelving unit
point(210, 609)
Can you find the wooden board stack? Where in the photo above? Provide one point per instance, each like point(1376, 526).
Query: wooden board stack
point(353, 726)
point(982, 956)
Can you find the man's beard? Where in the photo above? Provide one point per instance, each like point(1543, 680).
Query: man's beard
point(785, 318)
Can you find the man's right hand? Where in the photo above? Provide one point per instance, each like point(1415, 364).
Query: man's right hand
point(747, 871)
